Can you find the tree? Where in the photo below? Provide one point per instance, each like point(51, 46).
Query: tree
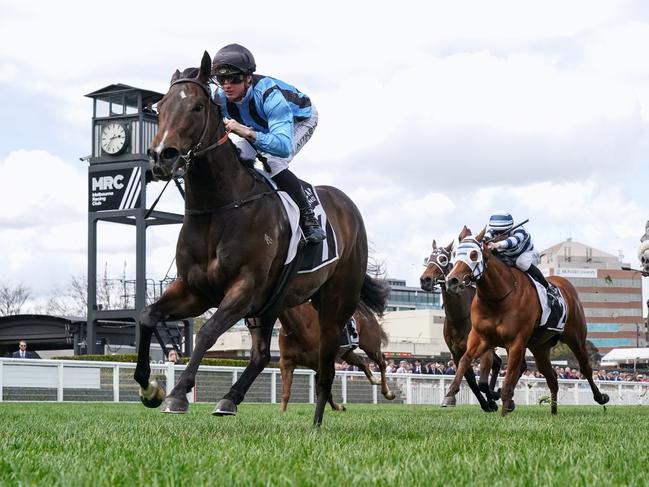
point(12, 298)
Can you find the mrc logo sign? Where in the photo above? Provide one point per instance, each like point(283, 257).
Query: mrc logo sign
point(115, 189)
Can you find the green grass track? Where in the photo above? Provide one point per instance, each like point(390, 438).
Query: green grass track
point(389, 445)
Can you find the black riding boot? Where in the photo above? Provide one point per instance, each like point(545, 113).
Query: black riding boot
point(287, 181)
point(538, 276)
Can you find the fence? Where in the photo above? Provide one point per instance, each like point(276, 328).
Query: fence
point(71, 380)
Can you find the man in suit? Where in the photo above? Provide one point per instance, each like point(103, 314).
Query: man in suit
point(22, 351)
point(418, 368)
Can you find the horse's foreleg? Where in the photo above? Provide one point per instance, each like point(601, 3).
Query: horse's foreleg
point(261, 332)
point(232, 308)
point(175, 303)
point(329, 343)
point(475, 347)
point(286, 368)
point(516, 355)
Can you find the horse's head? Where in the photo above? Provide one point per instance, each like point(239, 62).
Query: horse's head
point(643, 256)
point(187, 120)
point(438, 264)
point(468, 263)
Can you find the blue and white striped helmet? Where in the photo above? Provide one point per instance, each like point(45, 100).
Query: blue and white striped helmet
point(500, 222)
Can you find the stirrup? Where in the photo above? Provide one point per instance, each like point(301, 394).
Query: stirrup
point(313, 234)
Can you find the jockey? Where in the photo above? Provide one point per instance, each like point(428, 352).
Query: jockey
point(513, 247)
point(272, 118)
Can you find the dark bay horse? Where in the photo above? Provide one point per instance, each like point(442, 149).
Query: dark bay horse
point(299, 341)
point(232, 248)
point(506, 311)
point(457, 324)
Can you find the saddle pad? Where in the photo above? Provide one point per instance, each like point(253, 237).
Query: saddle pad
point(551, 318)
point(315, 256)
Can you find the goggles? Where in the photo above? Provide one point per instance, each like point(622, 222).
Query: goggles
point(233, 79)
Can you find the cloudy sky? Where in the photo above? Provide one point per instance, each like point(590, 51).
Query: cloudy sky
point(432, 115)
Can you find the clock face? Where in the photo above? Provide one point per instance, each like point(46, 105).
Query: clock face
point(113, 138)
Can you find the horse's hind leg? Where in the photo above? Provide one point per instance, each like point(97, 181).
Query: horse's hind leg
point(379, 359)
point(261, 333)
point(578, 347)
point(542, 358)
point(351, 358)
point(334, 405)
point(496, 365)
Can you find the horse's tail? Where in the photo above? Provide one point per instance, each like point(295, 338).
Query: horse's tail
point(374, 294)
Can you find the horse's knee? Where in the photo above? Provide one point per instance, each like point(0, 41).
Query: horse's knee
point(149, 317)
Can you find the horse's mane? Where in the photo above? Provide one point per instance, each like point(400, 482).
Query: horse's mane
point(189, 73)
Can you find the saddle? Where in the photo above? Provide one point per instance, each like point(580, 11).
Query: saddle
point(554, 313)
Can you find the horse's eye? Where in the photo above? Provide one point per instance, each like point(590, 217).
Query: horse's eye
point(198, 107)
point(473, 256)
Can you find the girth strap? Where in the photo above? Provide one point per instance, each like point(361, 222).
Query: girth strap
point(229, 206)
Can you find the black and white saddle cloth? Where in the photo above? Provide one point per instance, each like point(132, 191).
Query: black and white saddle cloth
point(316, 256)
point(313, 256)
point(349, 336)
point(554, 311)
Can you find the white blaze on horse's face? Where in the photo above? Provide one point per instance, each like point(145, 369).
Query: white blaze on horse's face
point(161, 145)
point(469, 251)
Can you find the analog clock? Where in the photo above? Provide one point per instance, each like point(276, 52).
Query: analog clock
point(114, 137)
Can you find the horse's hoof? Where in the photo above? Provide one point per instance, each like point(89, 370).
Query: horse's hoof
point(511, 406)
point(604, 399)
point(341, 408)
point(448, 402)
point(153, 396)
point(492, 406)
point(495, 395)
point(225, 407)
point(175, 406)
point(389, 395)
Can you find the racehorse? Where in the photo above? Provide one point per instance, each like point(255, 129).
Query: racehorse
point(506, 311)
point(232, 249)
point(457, 324)
point(299, 340)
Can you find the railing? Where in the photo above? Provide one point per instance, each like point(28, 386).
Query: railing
point(71, 380)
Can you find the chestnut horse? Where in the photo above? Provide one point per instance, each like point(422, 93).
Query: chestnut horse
point(506, 312)
point(457, 324)
point(299, 342)
point(232, 249)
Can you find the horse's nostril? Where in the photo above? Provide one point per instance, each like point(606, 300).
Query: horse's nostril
point(169, 154)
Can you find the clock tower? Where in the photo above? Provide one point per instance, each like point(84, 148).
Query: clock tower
point(124, 123)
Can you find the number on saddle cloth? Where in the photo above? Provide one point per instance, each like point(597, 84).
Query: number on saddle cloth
point(349, 335)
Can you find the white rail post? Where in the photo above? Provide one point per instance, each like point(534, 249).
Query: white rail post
point(576, 392)
point(273, 386)
point(312, 387)
point(409, 390)
point(59, 385)
point(527, 382)
point(116, 383)
point(375, 394)
point(1, 383)
point(170, 374)
point(343, 391)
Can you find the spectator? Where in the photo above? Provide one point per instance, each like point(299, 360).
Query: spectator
point(403, 367)
point(390, 368)
point(22, 351)
point(450, 368)
point(418, 368)
point(172, 356)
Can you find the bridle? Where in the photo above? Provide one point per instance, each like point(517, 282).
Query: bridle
point(197, 150)
point(440, 258)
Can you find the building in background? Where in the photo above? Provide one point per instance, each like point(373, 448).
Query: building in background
point(611, 296)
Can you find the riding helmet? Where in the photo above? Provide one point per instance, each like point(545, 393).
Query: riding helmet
point(500, 222)
point(233, 59)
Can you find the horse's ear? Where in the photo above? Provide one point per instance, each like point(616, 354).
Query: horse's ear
point(466, 231)
point(449, 247)
point(480, 236)
point(175, 76)
point(206, 68)
point(434, 245)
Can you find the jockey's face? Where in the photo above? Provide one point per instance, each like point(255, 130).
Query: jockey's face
point(236, 91)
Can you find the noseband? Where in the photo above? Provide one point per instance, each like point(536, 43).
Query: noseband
point(196, 150)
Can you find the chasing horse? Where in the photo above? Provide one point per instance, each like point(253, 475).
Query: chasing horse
point(506, 312)
point(299, 341)
point(457, 324)
point(232, 250)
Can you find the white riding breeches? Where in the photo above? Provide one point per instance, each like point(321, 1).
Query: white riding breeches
point(302, 132)
point(526, 259)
